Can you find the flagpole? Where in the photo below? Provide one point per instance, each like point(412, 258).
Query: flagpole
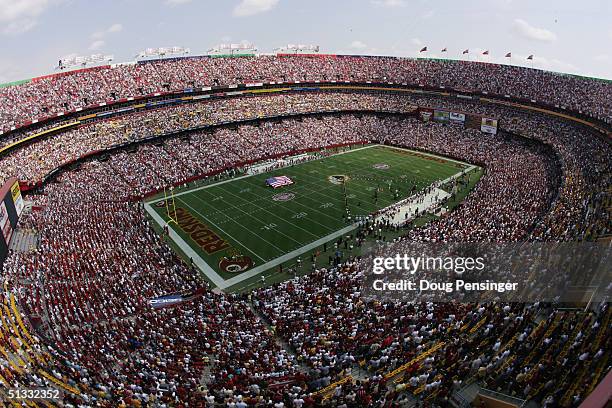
point(530, 58)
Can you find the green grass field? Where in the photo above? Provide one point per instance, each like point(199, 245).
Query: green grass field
point(241, 225)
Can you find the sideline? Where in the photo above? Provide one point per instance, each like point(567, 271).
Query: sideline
point(222, 283)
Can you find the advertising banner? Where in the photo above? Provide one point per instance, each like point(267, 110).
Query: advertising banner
point(425, 114)
point(455, 117)
point(441, 116)
point(17, 198)
point(489, 126)
point(5, 225)
point(174, 299)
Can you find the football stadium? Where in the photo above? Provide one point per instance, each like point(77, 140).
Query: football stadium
point(301, 226)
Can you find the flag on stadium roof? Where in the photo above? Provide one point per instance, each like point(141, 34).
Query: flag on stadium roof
point(443, 49)
point(530, 57)
point(466, 51)
point(508, 55)
point(279, 181)
point(423, 49)
point(486, 52)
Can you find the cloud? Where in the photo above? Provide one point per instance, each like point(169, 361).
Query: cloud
point(115, 28)
point(533, 33)
point(555, 64)
point(358, 45)
point(539, 62)
point(602, 58)
point(19, 16)
point(428, 14)
point(11, 10)
point(416, 41)
point(96, 45)
point(250, 7)
point(19, 26)
point(177, 2)
point(389, 3)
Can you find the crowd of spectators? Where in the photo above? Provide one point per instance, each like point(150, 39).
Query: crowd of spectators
point(518, 180)
point(48, 96)
point(99, 262)
point(514, 201)
point(32, 162)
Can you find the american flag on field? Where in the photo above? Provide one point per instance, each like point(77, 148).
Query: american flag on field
point(279, 181)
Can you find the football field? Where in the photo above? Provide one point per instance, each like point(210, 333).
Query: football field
point(240, 227)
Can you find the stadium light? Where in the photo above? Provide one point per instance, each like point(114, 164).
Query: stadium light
point(298, 49)
point(161, 52)
point(82, 61)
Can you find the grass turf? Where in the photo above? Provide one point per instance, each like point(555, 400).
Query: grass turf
point(244, 214)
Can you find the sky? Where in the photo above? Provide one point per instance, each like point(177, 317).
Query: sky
point(563, 35)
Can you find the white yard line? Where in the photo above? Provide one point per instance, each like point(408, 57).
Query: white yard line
point(226, 233)
point(280, 218)
point(217, 279)
point(277, 261)
point(222, 283)
point(256, 219)
point(427, 154)
point(251, 175)
point(214, 277)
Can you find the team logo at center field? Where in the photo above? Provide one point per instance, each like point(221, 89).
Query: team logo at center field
point(283, 197)
point(338, 178)
point(381, 166)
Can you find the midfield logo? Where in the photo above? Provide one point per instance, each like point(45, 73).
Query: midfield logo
point(283, 197)
point(338, 178)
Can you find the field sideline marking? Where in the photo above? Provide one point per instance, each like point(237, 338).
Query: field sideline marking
point(226, 233)
point(251, 175)
point(281, 218)
point(308, 191)
point(217, 279)
point(210, 273)
point(321, 193)
point(322, 158)
point(277, 261)
point(253, 217)
point(222, 283)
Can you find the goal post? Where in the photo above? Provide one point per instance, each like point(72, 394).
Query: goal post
point(170, 205)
